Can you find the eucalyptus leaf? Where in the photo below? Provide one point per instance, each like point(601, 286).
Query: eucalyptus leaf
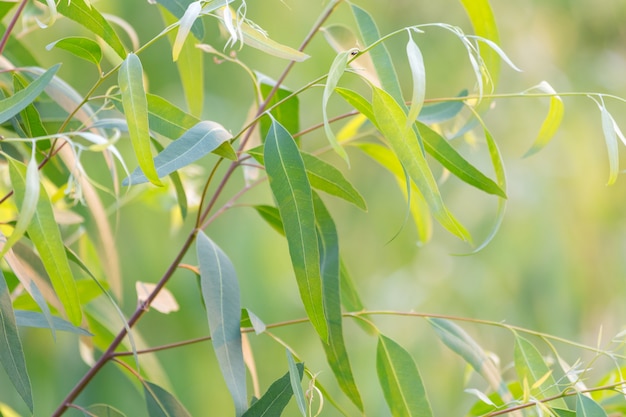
point(296, 386)
point(255, 39)
point(178, 9)
point(25, 318)
point(81, 47)
point(14, 104)
point(418, 73)
point(337, 69)
point(587, 407)
point(190, 16)
point(103, 410)
point(552, 121)
point(276, 398)
point(161, 403)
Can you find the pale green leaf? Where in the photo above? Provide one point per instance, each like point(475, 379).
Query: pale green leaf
point(83, 48)
point(587, 407)
point(418, 73)
point(89, 17)
point(178, 9)
point(255, 39)
point(292, 192)
point(190, 16)
point(103, 410)
point(358, 102)
point(552, 121)
point(44, 232)
point(391, 120)
point(200, 140)
point(11, 352)
point(400, 380)
point(181, 196)
point(25, 318)
point(130, 79)
point(610, 130)
point(296, 386)
point(441, 112)
point(30, 117)
point(14, 104)
point(337, 69)
point(220, 291)
point(276, 398)
point(249, 319)
point(342, 38)
point(161, 403)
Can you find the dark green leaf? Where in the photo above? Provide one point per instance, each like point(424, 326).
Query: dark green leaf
point(272, 216)
point(178, 9)
point(197, 142)
point(26, 318)
point(14, 104)
point(11, 352)
point(292, 191)
point(400, 380)
point(84, 48)
point(161, 403)
point(274, 401)
point(287, 114)
point(30, 115)
point(587, 407)
point(220, 291)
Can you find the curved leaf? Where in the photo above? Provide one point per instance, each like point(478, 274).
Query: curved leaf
point(25, 318)
point(552, 121)
point(400, 380)
point(190, 16)
point(418, 72)
point(161, 403)
point(292, 191)
point(276, 398)
point(337, 69)
point(255, 39)
point(14, 104)
point(200, 140)
point(220, 291)
point(587, 407)
point(178, 9)
point(296, 386)
point(83, 48)
point(130, 79)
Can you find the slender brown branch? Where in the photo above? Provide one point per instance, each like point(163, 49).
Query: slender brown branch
point(11, 26)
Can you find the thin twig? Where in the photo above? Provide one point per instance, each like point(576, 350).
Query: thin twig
point(11, 26)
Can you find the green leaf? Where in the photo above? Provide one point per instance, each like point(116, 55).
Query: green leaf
point(255, 39)
point(441, 112)
point(611, 132)
point(178, 9)
point(14, 104)
point(130, 79)
point(440, 149)
point(530, 366)
point(161, 403)
point(30, 115)
point(358, 102)
point(25, 318)
point(350, 298)
point(418, 73)
point(249, 319)
point(335, 349)
point(337, 69)
point(287, 114)
point(103, 410)
point(197, 142)
point(325, 177)
point(220, 291)
point(342, 38)
point(88, 16)
point(391, 121)
point(272, 216)
point(552, 121)
point(276, 398)
point(400, 380)
point(587, 407)
point(294, 378)
point(11, 352)
point(189, 17)
point(83, 48)
point(292, 191)
point(181, 196)
point(44, 232)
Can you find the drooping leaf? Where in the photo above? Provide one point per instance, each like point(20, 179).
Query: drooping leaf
point(418, 73)
point(276, 398)
point(530, 366)
point(130, 79)
point(103, 410)
point(287, 114)
point(14, 104)
point(337, 69)
point(83, 48)
point(292, 192)
point(220, 291)
point(89, 17)
point(391, 120)
point(294, 378)
point(197, 142)
point(335, 349)
point(161, 403)
point(11, 352)
point(255, 39)
point(44, 232)
point(400, 380)
point(342, 38)
point(441, 112)
point(587, 407)
point(611, 132)
point(178, 9)
point(189, 17)
point(552, 121)
point(26, 318)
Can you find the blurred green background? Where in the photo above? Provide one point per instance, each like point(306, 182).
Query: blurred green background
point(557, 264)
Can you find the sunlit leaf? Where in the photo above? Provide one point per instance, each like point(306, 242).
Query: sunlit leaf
point(44, 232)
point(292, 192)
point(287, 114)
point(11, 352)
point(400, 380)
point(164, 302)
point(587, 407)
point(611, 132)
point(161, 403)
point(255, 39)
point(197, 142)
point(418, 73)
point(89, 17)
point(552, 121)
point(178, 9)
point(190, 16)
point(335, 349)
point(130, 79)
point(337, 69)
point(14, 104)
point(83, 48)
point(25, 318)
point(391, 120)
point(342, 38)
point(276, 398)
point(103, 410)
point(358, 102)
point(220, 291)
point(294, 378)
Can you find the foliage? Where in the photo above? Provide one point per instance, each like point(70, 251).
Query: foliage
point(62, 270)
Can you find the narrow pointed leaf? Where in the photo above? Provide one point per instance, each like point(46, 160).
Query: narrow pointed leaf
point(342, 38)
point(190, 16)
point(260, 41)
point(83, 48)
point(25, 318)
point(44, 232)
point(337, 69)
point(161, 403)
point(272, 216)
point(587, 407)
point(30, 116)
point(551, 123)
point(418, 72)
point(287, 114)
point(610, 137)
point(181, 196)
point(200, 140)
point(276, 398)
point(529, 365)
point(296, 386)
point(391, 120)
point(400, 380)
point(89, 17)
point(103, 410)
point(14, 104)
point(358, 102)
point(11, 352)
point(441, 112)
point(249, 319)
point(130, 79)
point(292, 191)
point(325, 177)
point(335, 349)
point(220, 291)
point(178, 9)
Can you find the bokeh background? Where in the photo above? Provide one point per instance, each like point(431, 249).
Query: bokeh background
point(557, 264)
